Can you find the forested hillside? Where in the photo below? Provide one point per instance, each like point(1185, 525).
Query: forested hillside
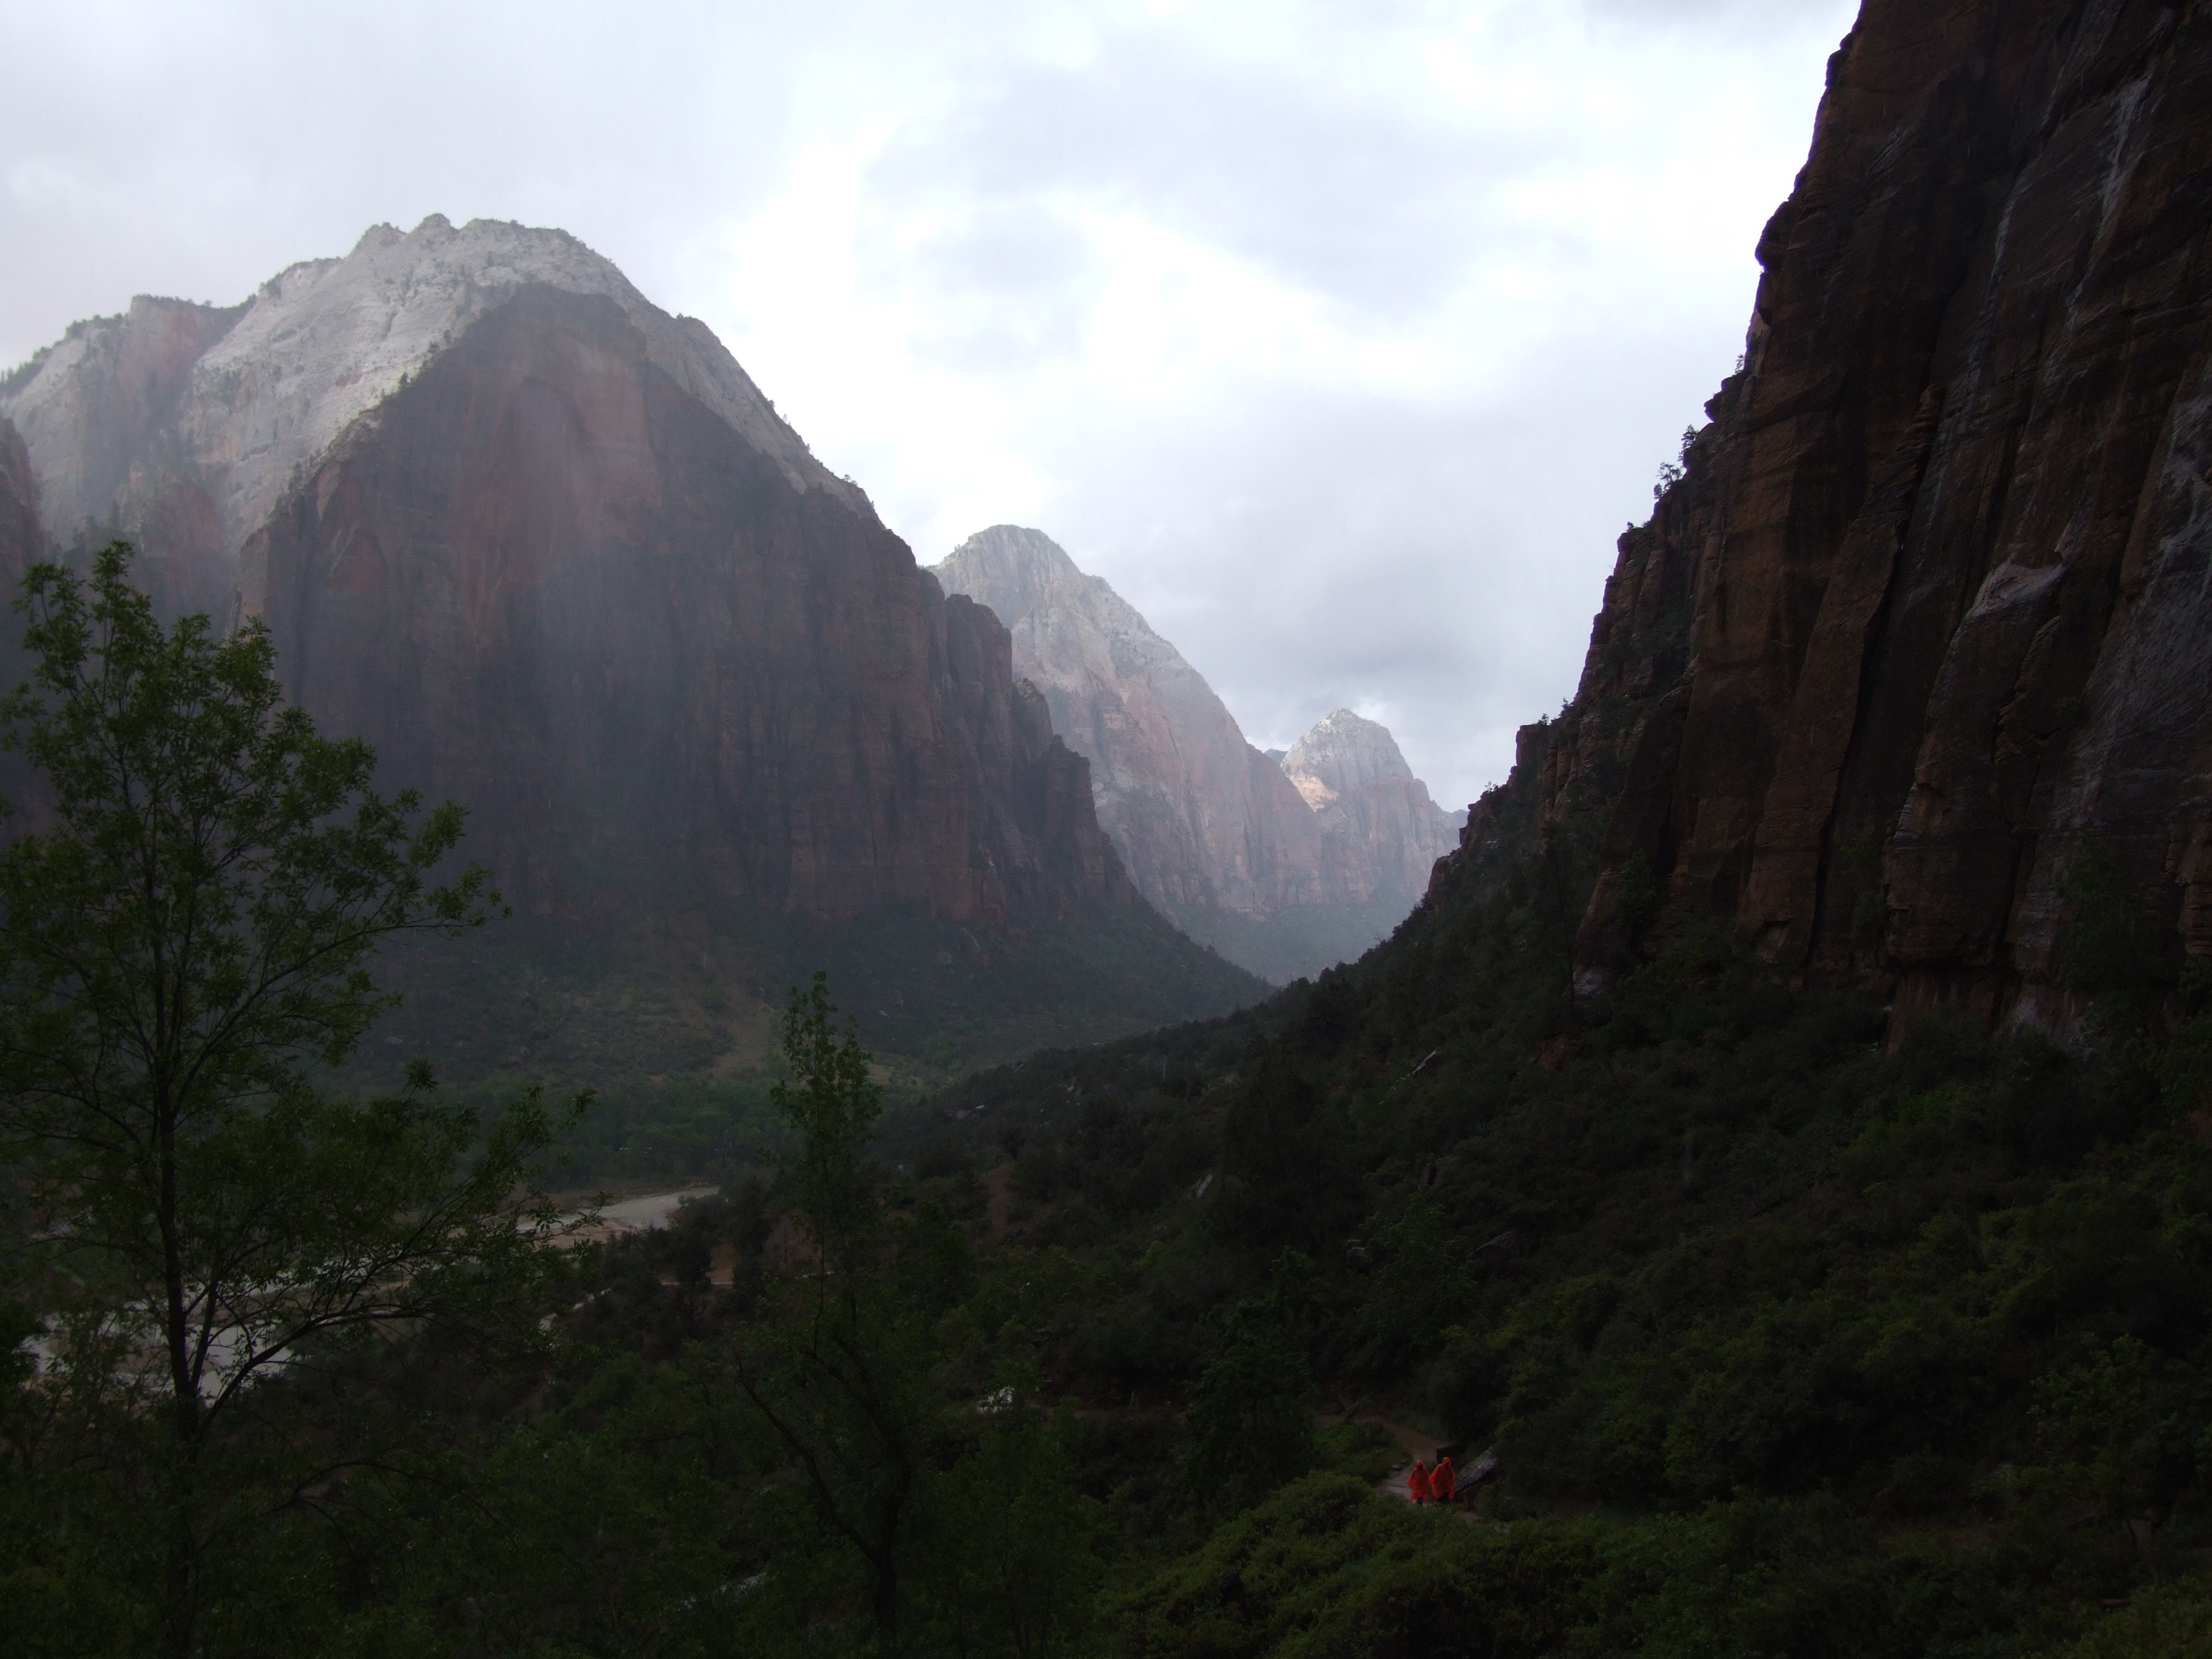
point(1785, 1342)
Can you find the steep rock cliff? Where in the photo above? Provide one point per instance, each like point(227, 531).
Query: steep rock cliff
point(1213, 831)
point(100, 411)
point(1381, 834)
point(552, 552)
point(1926, 624)
point(549, 581)
point(1200, 817)
point(20, 539)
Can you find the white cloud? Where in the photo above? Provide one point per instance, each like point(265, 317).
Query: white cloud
point(1342, 339)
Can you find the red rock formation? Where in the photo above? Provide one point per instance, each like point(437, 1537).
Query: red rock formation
point(550, 582)
point(553, 553)
point(1939, 563)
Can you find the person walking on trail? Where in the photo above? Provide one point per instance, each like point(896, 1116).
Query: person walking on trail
point(1441, 1480)
point(1417, 1483)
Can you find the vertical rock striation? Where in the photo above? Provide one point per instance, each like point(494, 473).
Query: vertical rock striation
point(1201, 818)
point(21, 541)
point(549, 581)
point(552, 552)
point(1928, 619)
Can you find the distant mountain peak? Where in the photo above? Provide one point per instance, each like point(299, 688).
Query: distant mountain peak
point(251, 396)
point(1285, 868)
point(1344, 752)
point(549, 550)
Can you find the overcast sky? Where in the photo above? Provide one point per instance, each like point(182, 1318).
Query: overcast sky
point(1342, 339)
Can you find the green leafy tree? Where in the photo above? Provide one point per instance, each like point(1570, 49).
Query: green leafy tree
point(1251, 1415)
point(1283, 1179)
point(1012, 1570)
point(184, 939)
point(2112, 949)
point(837, 1365)
point(2132, 1416)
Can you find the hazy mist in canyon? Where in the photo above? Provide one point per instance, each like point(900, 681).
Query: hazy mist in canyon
point(1341, 340)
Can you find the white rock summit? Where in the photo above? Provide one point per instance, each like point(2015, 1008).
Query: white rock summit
point(242, 399)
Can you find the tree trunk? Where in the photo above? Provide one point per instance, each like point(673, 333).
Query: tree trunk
point(886, 1606)
point(179, 1611)
point(179, 1598)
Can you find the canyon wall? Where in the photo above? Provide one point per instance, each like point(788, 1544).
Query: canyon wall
point(555, 555)
point(1201, 818)
point(1284, 873)
point(1925, 631)
point(20, 539)
point(550, 582)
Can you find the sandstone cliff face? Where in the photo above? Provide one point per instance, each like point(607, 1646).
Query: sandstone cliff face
point(1200, 817)
point(1928, 619)
point(549, 581)
point(552, 552)
point(1284, 874)
point(1381, 834)
point(99, 410)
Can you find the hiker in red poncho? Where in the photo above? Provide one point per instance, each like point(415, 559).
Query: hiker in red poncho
point(1417, 1483)
point(1441, 1480)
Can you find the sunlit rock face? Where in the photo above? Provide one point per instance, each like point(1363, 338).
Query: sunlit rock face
point(1381, 834)
point(1213, 830)
point(1927, 623)
point(551, 551)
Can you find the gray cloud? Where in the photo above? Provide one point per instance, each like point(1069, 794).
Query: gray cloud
point(1430, 310)
point(1369, 204)
point(1758, 18)
point(1402, 562)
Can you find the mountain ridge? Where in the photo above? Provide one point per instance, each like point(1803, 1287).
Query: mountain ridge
point(552, 552)
point(1214, 832)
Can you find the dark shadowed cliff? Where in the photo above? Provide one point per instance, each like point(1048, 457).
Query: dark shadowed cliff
point(20, 542)
point(1926, 626)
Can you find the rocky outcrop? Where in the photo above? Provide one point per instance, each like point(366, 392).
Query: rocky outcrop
point(1200, 816)
point(1381, 834)
point(21, 542)
point(99, 410)
point(549, 581)
point(1926, 624)
point(555, 555)
point(1284, 874)
point(184, 424)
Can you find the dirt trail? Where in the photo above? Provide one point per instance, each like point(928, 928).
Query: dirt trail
point(1415, 1444)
